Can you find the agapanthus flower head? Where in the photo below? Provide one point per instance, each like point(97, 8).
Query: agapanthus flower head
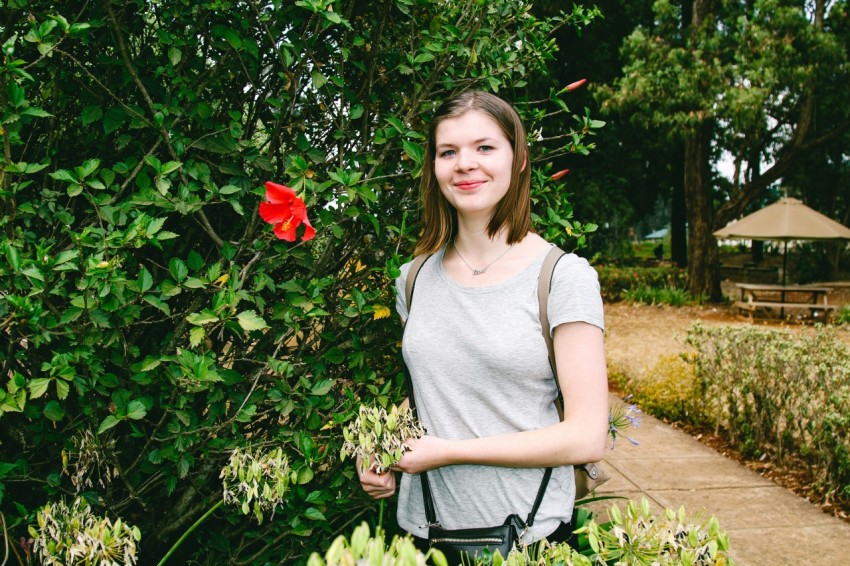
point(286, 211)
point(621, 417)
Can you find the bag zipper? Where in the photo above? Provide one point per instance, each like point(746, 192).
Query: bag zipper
point(481, 540)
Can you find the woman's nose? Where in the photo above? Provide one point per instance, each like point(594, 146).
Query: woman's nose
point(465, 161)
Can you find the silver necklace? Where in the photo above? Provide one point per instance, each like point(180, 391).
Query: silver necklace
point(483, 270)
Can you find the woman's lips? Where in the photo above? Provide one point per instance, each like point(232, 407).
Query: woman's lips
point(468, 185)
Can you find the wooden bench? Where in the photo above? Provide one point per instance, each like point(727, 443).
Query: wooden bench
point(751, 307)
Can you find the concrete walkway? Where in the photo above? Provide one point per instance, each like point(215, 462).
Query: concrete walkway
point(767, 524)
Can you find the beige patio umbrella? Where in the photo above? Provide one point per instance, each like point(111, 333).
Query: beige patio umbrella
point(787, 219)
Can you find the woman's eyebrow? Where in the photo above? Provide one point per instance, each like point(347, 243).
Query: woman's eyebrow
point(479, 140)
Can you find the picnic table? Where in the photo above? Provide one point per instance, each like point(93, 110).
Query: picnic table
point(758, 298)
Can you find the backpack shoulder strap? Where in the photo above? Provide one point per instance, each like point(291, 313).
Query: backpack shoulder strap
point(415, 266)
point(544, 285)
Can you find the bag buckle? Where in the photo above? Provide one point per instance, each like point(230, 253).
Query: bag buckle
point(522, 534)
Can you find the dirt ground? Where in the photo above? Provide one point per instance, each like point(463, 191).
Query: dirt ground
point(637, 336)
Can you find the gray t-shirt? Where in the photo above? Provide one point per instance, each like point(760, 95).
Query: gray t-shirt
point(480, 367)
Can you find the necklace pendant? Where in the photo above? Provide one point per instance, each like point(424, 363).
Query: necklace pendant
point(478, 271)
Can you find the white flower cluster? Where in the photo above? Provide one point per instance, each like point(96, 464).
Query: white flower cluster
point(74, 535)
point(256, 482)
point(378, 436)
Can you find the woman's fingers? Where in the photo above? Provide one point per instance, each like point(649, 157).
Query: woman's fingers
point(377, 486)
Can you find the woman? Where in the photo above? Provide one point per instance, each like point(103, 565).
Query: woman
point(483, 386)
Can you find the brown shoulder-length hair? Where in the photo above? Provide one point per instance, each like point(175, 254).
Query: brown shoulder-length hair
point(439, 218)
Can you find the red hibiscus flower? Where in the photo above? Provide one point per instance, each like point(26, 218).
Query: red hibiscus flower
point(286, 211)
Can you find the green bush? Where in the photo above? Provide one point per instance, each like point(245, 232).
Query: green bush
point(669, 390)
point(151, 323)
point(659, 296)
point(617, 282)
point(776, 395)
point(842, 316)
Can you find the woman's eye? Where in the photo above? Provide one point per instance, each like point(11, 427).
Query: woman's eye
point(447, 153)
point(486, 148)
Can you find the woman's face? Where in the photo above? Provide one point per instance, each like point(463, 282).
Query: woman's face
point(473, 163)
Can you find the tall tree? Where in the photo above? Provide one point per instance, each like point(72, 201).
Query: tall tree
point(747, 81)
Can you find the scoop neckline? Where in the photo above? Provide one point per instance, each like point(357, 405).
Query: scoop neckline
point(534, 267)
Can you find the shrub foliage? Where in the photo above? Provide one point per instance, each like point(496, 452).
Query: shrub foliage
point(780, 396)
point(663, 284)
point(150, 322)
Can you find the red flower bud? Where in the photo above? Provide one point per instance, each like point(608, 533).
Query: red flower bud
point(560, 174)
point(572, 86)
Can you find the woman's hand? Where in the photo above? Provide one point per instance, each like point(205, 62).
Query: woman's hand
point(424, 454)
point(377, 486)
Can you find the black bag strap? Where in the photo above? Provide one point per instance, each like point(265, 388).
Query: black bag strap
point(543, 287)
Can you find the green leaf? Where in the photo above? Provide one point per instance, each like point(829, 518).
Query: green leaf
point(177, 268)
point(150, 363)
point(107, 423)
point(62, 389)
point(250, 320)
point(196, 335)
point(144, 280)
point(33, 272)
point(423, 58)
point(66, 256)
point(194, 283)
point(89, 166)
point(175, 56)
point(314, 514)
point(99, 318)
point(158, 303)
point(155, 226)
point(414, 151)
point(37, 112)
point(169, 167)
point(38, 387)
point(229, 189)
point(319, 80)
point(246, 414)
point(54, 411)
point(305, 474)
point(70, 315)
point(321, 387)
point(12, 256)
point(91, 114)
point(136, 410)
point(206, 316)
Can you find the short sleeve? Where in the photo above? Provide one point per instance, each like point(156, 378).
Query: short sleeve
point(400, 282)
point(575, 295)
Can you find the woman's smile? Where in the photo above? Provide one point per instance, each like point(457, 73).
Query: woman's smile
point(469, 185)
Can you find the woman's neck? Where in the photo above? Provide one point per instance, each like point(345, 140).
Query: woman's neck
point(476, 240)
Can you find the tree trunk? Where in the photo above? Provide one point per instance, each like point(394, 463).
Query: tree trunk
point(703, 260)
point(678, 213)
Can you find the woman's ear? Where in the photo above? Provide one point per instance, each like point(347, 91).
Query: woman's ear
point(524, 162)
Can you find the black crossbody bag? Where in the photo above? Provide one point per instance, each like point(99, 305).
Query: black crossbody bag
point(462, 546)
